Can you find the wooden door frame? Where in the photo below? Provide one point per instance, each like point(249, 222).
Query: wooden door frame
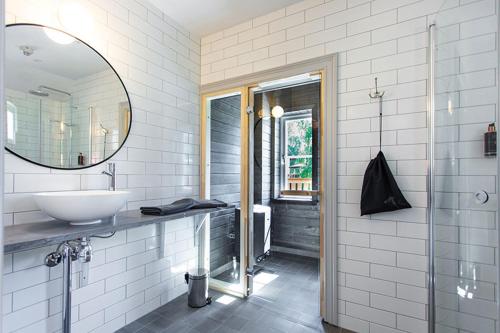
point(244, 172)
point(327, 66)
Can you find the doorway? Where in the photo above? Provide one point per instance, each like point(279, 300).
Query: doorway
point(286, 205)
point(270, 184)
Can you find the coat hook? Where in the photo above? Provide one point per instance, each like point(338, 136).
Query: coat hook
point(377, 94)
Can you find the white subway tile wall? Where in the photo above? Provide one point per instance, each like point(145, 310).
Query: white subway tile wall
point(34, 124)
point(159, 62)
point(382, 259)
point(127, 279)
point(108, 110)
point(38, 122)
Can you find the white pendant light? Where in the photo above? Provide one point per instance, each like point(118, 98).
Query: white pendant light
point(277, 111)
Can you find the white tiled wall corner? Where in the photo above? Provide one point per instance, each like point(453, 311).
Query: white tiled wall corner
point(382, 260)
point(159, 62)
point(126, 280)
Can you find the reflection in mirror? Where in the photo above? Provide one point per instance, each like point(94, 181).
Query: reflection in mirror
point(66, 106)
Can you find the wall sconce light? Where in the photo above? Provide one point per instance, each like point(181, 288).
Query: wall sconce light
point(276, 112)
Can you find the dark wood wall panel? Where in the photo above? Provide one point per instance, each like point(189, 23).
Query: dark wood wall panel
point(225, 149)
point(225, 153)
point(221, 243)
point(295, 225)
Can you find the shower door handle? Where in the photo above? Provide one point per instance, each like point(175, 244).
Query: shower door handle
point(481, 197)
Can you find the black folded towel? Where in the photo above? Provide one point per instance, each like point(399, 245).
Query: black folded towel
point(175, 207)
point(182, 205)
point(211, 203)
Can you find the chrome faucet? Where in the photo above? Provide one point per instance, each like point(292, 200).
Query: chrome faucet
point(111, 173)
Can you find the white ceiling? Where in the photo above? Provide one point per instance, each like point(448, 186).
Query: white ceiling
point(52, 64)
point(204, 17)
point(72, 61)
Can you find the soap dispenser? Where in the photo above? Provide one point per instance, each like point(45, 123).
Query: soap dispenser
point(81, 159)
point(490, 141)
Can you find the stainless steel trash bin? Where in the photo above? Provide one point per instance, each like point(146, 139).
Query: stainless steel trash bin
point(197, 281)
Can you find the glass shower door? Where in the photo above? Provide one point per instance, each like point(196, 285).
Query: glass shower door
point(464, 169)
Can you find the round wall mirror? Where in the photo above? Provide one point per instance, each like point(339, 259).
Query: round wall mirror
point(67, 108)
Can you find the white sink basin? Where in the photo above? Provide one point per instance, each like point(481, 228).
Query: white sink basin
point(81, 207)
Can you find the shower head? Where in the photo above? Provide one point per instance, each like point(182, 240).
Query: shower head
point(42, 93)
point(54, 90)
point(38, 92)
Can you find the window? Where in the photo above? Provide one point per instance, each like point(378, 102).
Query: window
point(296, 148)
point(11, 122)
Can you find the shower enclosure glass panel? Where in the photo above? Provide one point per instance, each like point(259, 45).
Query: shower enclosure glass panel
point(40, 127)
point(464, 225)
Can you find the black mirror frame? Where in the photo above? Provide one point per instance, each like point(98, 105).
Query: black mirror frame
point(119, 78)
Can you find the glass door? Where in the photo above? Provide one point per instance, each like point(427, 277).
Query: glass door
point(224, 176)
point(464, 170)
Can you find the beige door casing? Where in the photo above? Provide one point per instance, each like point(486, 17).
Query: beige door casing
point(327, 67)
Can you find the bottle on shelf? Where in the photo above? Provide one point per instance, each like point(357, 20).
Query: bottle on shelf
point(490, 141)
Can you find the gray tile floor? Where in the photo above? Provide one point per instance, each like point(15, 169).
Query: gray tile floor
point(228, 275)
point(287, 302)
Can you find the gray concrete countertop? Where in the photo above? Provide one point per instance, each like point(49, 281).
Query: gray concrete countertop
point(32, 235)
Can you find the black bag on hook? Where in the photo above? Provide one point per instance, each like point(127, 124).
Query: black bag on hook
point(380, 192)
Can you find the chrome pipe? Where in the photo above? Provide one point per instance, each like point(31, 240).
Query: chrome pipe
point(70, 125)
point(430, 175)
point(40, 135)
point(91, 109)
point(65, 254)
point(66, 301)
